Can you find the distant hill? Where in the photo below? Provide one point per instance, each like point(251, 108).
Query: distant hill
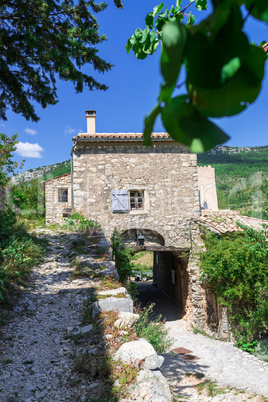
point(241, 178)
point(43, 173)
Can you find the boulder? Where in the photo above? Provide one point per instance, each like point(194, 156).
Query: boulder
point(134, 352)
point(84, 330)
point(150, 386)
point(113, 291)
point(153, 362)
point(112, 304)
point(125, 319)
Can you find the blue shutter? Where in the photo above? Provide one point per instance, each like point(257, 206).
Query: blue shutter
point(120, 201)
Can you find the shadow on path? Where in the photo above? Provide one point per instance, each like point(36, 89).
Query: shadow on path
point(162, 304)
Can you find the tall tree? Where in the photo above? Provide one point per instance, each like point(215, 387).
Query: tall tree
point(7, 164)
point(224, 72)
point(42, 40)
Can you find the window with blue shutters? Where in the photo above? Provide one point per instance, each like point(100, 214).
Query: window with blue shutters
point(120, 201)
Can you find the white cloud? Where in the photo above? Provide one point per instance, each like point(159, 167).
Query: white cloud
point(69, 130)
point(28, 150)
point(30, 131)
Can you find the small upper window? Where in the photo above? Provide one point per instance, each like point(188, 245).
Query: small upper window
point(136, 199)
point(63, 195)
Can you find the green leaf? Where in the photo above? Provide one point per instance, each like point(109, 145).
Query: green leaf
point(128, 45)
point(229, 69)
point(144, 35)
point(151, 48)
point(165, 93)
point(149, 20)
point(132, 40)
point(152, 36)
point(191, 19)
point(186, 125)
point(159, 23)
point(237, 92)
point(201, 5)
point(138, 34)
point(157, 9)
point(205, 57)
point(138, 49)
point(258, 9)
point(149, 125)
point(174, 38)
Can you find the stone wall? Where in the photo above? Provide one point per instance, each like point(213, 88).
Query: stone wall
point(2, 199)
point(166, 172)
point(56, 211)
point(207, 188)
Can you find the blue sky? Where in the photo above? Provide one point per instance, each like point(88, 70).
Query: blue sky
point(133, 89)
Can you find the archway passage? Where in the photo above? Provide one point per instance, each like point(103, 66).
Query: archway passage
point(168, 290)
point(163, 305)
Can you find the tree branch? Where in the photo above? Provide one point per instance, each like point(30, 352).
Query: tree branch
point(186, 7)
point(265, 47)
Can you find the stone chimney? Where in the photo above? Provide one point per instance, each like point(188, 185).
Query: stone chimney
point(91, 121)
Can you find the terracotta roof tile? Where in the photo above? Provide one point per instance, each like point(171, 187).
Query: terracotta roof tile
point(226, 221)
point(119, 136)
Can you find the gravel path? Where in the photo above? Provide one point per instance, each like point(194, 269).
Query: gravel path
point(36, 354)
point(220, 361)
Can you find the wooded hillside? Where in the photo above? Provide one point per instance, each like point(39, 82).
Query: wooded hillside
point(241, 178)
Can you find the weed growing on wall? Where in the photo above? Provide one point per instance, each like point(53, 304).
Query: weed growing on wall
point(236, 268)
point(79, 222)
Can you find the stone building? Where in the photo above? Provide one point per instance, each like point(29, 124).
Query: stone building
point(146, 192)
point(58, 198)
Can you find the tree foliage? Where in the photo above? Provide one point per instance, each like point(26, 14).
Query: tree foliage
point(224, 72)
point(236, 268)
point(43, 40)
point(7, 165)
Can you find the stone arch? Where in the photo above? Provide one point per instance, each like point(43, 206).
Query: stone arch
point(130, 236)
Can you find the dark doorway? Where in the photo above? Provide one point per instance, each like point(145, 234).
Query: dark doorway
point(163, 304)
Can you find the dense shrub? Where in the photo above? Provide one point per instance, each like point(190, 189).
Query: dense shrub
point(236, 268)
point(78, 222)
point(19, 251)
point(28, 196)
point(122, 257)
point(152, 330)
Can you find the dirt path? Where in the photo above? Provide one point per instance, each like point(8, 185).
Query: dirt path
point(36, 353)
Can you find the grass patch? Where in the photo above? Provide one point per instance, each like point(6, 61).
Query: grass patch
point(82, 270)
point(108, 282)
point(200, 331)
point(152, 330)
point(117, 295)
point(211, 388)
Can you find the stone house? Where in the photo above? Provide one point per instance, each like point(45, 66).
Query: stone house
point(142, 191)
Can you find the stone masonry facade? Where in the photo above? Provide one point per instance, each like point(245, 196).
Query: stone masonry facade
point(56, 208)
point(166, 173)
